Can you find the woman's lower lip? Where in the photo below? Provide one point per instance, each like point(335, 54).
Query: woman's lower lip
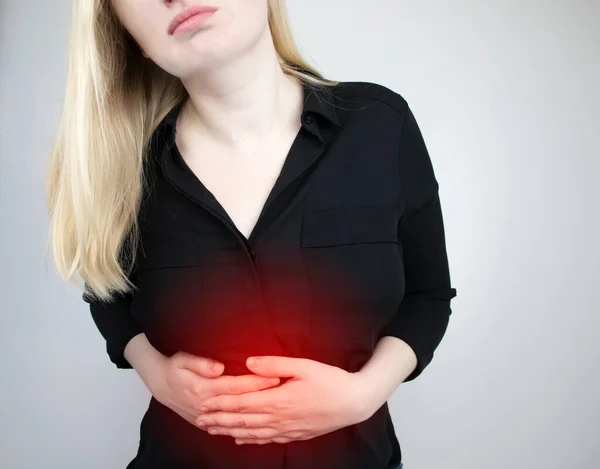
point(193, 22)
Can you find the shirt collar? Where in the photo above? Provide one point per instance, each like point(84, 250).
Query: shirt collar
point(320, 100)
point(317, 99)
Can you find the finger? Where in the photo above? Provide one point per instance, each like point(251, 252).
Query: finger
point(241, 384)
point(253, 433)
point(271, 365)
point(250, 402)
point(233, 419)
point(262, 441)
point(201, 365)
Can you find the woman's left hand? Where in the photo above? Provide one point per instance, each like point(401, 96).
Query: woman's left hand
point(318, 399)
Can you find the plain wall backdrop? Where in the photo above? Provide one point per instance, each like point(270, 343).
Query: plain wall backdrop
point(506, 94)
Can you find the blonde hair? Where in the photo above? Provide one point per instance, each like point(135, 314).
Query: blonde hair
point(114, 101)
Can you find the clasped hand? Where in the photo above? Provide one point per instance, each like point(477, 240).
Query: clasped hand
point(318, 399)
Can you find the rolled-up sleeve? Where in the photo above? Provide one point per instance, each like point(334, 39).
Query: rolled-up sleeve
point(423, 315)
point(115, 323)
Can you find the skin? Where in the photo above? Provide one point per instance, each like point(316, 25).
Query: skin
point(229, 68)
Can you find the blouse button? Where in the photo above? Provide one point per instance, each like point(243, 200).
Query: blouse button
point(308, 118)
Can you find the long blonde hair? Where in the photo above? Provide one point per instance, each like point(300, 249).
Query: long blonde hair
point(114, 100)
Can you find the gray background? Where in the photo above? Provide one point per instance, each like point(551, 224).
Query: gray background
point(506, 94)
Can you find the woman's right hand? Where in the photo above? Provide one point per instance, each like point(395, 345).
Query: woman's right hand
point(183, 381)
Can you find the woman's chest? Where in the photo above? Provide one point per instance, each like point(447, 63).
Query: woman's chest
point(322, 270)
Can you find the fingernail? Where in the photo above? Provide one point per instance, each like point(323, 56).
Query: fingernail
point(216, 366)
point(273, 381)
point(254, 361)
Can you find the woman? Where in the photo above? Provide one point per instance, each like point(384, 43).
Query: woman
point(221, 201)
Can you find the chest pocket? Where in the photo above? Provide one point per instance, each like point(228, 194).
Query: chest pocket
point(354, 263)
point(161, 250)
point(166, 265)
point(168, 278)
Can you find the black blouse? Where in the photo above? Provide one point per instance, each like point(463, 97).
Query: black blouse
point(349, 247)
